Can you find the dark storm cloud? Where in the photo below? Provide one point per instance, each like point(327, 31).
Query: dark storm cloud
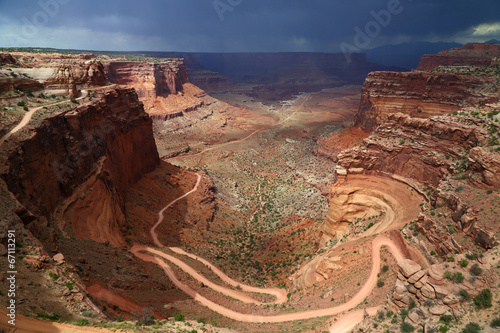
point(238, 25)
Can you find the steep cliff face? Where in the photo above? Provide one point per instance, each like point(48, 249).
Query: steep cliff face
point(164, 88)
point(91, 73)
point(419, 94)
point(473, 54)
point(54, 76)
point(425, 150)
point(82, 161)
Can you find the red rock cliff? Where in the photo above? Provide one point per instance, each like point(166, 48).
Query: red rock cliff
point(473, 54)
point(164, 87)
point(81, 163)
point(418, 94)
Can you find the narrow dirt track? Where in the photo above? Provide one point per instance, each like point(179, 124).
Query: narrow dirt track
point(245, 138)
point(160, 213)
point(27, 117)
point(138, 250)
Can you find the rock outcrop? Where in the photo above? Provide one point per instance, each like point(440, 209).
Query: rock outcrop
point(54, 77)
point(473, 54)
point(82, 161)
point(6, 58)
point(418, 94)
point(424, 150)
point(164, 87)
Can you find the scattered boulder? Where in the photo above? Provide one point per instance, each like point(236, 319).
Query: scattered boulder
point(58, 258)
point(438, 310)
point(408, 267)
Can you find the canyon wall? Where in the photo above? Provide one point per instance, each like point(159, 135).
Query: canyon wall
point(419, 94)
point(472, 54)
point(424, 150)
point(78, 164)
point(164, 88)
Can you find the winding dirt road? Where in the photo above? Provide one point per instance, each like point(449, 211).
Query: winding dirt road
point(247, 137)
point(158, 257)
point(27, 117)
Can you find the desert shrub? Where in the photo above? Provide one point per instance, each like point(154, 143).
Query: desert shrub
point(389, 313)
point(407, 328)
point(464, 294)
point(464, 263)
point(483, 299)
point(403, 313)
point(82, 322)
point(471, 256)
point(147, 318)
point(446, 319)
point(179, 317)
point(412, 304)
point(69, 285)
point(385, 268)
point(21, 103)
point(459, 189)
point(476, 270)
point(53, 276)
point(380, 283)
point(201, 320)
point(74, 101)
point(472, 328)
point(495, 323)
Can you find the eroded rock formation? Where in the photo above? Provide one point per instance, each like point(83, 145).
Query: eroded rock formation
point(83, 161)
point(418, 94)
point(164, 87)
point(473, 54)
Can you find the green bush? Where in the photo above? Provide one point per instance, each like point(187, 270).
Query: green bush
point(483, 299)
point(380, 283)
point(74, 101)
point(459, 189)
point(389, 313)
point(21, 103)
point(464, 263)
point(385, 268)
point(69, 285)
point(464, 294)
point(495, 323)
point(179, 317)
point(446, 319)
point(82, 322)
point(25, 108)
point(472, 328)
point(53, 317)
point(476, 270)
point(53, 276)
point(201, 320)
point(407, 328)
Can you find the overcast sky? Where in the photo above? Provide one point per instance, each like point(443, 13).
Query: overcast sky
point(243, 25)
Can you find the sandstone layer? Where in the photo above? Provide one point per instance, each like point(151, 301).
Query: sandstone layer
point(164, 87)
point(473, 54)
point(85, 159)
point(418, 94)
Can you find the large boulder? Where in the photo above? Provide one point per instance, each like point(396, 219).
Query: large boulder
point(408, 267)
